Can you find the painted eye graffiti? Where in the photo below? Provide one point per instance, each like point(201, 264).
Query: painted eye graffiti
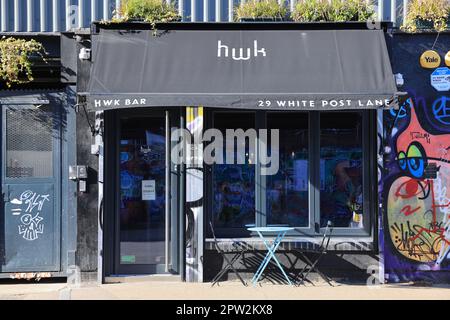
point(414, 161)
point(402, 160)
point(413, 188)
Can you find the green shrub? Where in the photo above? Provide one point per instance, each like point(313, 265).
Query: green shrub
point(15, 64)
point(151, 11)
point(332, 11)
point(436, 12)
point(258, 9)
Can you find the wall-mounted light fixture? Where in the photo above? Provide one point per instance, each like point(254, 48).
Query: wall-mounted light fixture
point(399, 81)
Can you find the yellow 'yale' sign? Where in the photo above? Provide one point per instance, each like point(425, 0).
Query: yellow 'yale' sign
point(430, 59)
point(447, 59)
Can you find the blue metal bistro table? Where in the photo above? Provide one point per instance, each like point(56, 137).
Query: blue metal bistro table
point(271, 248)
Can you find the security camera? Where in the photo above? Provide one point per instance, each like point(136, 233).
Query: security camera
point(85, 54)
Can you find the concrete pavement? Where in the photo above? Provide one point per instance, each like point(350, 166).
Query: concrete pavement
point(226, 291)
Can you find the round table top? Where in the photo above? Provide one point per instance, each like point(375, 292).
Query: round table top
point(270, 229)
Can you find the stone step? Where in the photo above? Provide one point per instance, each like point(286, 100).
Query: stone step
point(142, 278)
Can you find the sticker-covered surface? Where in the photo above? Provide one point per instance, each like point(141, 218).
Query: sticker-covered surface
point(440, 79)
point(415, 173)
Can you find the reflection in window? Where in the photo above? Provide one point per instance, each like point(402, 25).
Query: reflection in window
point(234, 184)
point(29, 142)
point(142, 167)
point(287, 191)
point(341, 192)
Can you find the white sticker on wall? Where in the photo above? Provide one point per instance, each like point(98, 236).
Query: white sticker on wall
point(440, 79)
point(148, 190)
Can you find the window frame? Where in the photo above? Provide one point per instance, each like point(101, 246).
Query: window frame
point(368, 175)
point(368, 142)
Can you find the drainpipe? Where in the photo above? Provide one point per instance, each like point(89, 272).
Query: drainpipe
point(182, 206)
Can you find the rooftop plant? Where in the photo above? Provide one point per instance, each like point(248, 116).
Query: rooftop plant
point(260, 9)
point(151, 11)
point(15, 61)
point(427, 14)
point(332, 11)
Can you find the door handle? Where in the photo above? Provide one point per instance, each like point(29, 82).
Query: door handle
point(6, 197)
point(317, 227)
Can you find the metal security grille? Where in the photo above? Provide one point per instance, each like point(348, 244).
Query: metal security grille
point(29, 143)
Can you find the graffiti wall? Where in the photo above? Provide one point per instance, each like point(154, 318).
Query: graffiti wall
point(194, 197)
point(415, 184)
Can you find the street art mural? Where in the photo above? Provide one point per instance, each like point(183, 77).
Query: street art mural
point(194, 197)
point(416, 190)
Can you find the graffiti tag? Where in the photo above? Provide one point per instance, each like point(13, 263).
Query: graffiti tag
point(29, 207)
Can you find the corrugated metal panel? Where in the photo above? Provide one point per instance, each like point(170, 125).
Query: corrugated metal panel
point(55, 15)
point(43, 15)
point(106, 9)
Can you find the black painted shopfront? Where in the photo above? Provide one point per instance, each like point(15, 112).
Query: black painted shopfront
point(321, 88)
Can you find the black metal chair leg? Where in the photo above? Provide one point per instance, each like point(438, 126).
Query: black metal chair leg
point(227, 267)
point(224, 270)
point(238, 256)
point(312, 267)
point(229, 264)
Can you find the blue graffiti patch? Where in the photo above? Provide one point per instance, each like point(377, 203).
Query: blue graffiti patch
point(441, 110)
point(402, 111)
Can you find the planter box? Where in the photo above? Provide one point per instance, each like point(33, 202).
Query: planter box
point(263, 19)
point(422, 24)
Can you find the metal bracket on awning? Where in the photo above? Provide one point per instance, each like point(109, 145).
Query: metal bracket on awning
point(22, 101)
point(81, 102)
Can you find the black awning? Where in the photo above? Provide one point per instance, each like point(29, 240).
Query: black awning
point(254, 69)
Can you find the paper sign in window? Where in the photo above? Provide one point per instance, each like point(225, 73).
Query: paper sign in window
point(148, 190)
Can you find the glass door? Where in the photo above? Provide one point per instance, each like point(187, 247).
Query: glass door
point(141, 235)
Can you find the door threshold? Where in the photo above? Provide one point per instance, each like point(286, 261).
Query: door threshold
point(141, 278)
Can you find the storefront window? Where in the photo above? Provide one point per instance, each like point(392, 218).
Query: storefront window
point(323, 165)
point(287, 191)
point(341, 169)
point(234, 184)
